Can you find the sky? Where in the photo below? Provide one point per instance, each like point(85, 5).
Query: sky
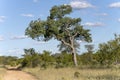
point(101, 17)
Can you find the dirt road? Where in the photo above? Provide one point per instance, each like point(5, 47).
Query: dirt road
point(18, 75)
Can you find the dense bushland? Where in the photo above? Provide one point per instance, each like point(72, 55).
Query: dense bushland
point(107, 55)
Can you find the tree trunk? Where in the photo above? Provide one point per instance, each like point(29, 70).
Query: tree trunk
point(74, 57)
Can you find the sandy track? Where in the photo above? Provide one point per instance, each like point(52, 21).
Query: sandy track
point(18, 75)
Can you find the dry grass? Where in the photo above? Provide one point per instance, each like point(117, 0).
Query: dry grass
point(2, 72)
point(75, 74)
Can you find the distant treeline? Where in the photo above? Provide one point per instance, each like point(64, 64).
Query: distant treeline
point(108, 54)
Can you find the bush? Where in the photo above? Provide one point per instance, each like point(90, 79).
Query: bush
point(76, 74)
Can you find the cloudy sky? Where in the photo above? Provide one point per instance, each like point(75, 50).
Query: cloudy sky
point(101, 17)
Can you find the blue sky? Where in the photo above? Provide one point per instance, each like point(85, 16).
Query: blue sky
point(101, 17)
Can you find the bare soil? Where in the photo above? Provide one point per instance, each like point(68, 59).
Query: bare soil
point(18, 75)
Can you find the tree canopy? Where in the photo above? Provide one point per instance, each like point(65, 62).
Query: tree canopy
point(59, 26)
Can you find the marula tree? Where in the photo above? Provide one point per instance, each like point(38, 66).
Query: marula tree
point(59, 26)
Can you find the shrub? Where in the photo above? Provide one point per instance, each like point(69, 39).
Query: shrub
point(76, 74)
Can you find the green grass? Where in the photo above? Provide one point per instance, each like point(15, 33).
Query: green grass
point(74, 74)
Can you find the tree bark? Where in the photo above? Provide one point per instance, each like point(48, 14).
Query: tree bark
point(74, 57)
point(73, 51)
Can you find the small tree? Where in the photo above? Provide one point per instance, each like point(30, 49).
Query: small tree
point(109, 52)
point(89, 52)
point(89, 48)
point(61, 27)
point(31, 58)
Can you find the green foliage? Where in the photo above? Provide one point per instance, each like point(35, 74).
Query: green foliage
point(109, 53)
point(63, 60)
point(31, 58)
point(45, 59)
point(9, 60)
point(87, 58)
point(61, 27)
point(36, 29)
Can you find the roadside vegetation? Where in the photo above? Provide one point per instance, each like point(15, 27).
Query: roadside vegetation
point(107, 56)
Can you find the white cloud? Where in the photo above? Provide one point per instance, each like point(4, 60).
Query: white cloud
point(18, 37)
point(2, 18)
point(12, 52)
point(102, 14)
point(15, 52)
point(119, 20)
point(115, 5)
point(1, 52)
point(93, 24)
point(41, 15)
point(35, 1)
point(40, 42)
point(80, 4)
point(27, 15)
point(1, 38)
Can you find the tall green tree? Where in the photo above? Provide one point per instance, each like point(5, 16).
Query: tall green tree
point(59, 26)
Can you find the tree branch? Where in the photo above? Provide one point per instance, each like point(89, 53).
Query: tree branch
point(63, 41)
point(67, 32)
point(75, 34)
